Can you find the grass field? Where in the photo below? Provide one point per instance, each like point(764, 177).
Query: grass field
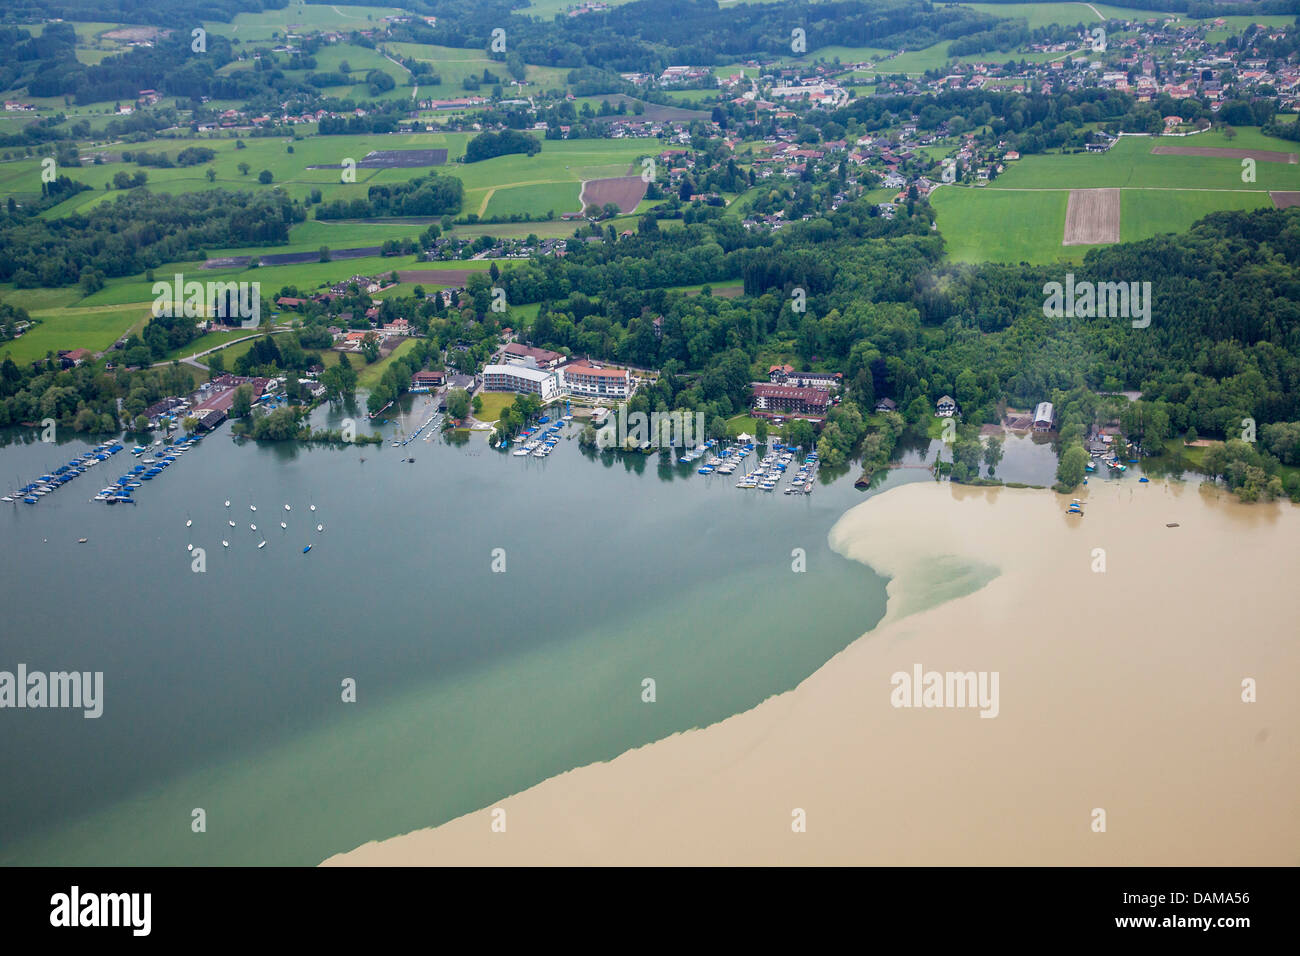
point(535, 200)
point(1021, 216)
point(369, 376)
point(563, 163)
point(249, 27)
point(1130, 163)
point(90, 328)
point(979, 225)
point(454, 65)
point(534, 184)
point(1040, 14)
point(1146, 213)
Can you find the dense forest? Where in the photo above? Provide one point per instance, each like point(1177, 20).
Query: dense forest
point(165, 13)
point(650, 34)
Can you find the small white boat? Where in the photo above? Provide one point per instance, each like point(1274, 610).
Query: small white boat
point(320, 527)
point(188, 522)
point(252, 527)
point(261, 546)
point(232, 524)
point(225, 544)
point(227, 504)
point(287, 508)
point(283, 525)
point(189, 547)
point(313, 507)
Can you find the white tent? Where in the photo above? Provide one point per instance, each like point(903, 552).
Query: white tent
point(744, 438)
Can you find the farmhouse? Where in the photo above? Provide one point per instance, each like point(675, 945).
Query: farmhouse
point(945, 407)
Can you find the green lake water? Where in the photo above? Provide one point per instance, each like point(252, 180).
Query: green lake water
point(222, 689)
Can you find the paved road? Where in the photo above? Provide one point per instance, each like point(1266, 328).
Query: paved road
point(191, 359)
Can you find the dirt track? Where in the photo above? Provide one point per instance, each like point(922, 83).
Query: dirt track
point(442, 278)
point(1259, 155)
point(627, 191)
point(1092, 217)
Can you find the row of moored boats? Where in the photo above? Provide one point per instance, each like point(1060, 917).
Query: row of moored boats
point(540, 440)
point(32, 492)
point(775, 465)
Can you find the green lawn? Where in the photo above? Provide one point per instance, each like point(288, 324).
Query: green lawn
point(494, 404)
point(749, 425)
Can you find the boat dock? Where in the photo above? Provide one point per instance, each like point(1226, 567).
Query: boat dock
point(435, 419)
point(32, 492)
point(149, 468)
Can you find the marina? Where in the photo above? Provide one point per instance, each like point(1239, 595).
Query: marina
point(538, 441)
point(433, 420)
point(120, 491)
point(32, 492)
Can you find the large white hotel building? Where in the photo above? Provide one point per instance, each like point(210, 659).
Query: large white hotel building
point(577, 378)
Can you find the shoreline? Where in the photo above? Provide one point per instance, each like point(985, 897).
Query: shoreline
point(1120, 690)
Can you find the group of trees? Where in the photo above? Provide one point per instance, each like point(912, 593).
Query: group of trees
point(487, 145)
point(139, 231)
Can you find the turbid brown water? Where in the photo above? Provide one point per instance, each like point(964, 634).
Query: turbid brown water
point(1122, 640)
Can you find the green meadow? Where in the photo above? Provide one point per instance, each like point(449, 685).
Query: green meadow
point(454, 65)
point(1040, 14)
point(533, 184)
point(300, 17)
point(534, 200)
point(979, 225)
point(1021, 216)
point(90, 328)
point(1130, 163)
point(1145, 213)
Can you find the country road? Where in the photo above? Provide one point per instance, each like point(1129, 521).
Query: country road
point(192, 359)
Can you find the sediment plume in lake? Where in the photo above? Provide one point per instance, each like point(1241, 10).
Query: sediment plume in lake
point(1145, 706)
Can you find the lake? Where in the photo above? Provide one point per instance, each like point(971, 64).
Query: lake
point(223, 687)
